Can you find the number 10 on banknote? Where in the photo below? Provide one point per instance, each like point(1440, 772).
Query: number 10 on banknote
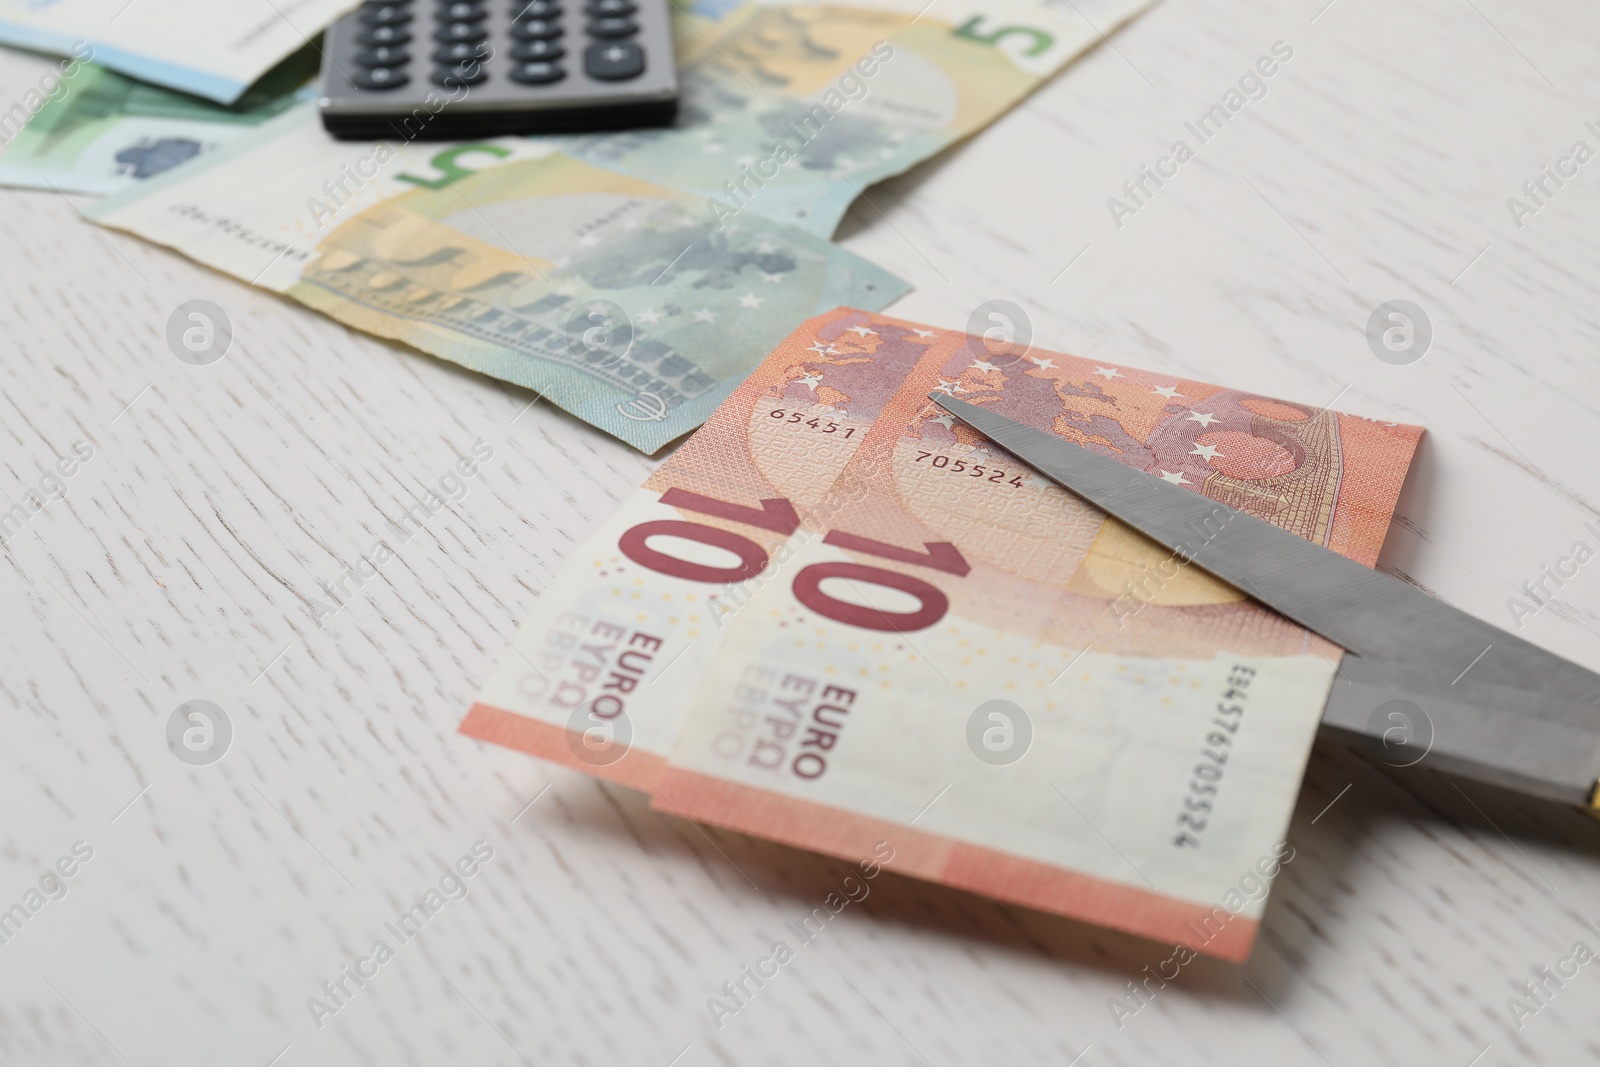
point(868, 624)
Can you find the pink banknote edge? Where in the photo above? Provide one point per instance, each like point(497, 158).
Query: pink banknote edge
point(635, 769)
point(933, 857)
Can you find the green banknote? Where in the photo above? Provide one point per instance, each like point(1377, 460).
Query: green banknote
point(617, 298)
point(102, 132)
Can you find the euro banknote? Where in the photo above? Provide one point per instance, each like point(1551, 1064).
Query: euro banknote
point(612, 296)
point(213, 50)
point(103, 132)
point(791, 109)
point(942, 650)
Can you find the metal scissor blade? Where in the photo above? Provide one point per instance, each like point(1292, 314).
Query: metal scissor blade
point(1526, 718)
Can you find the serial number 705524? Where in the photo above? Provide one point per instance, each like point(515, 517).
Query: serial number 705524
point(1206, 779)
point(971, 470)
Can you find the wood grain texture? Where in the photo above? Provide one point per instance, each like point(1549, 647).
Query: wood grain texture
point(184, 561)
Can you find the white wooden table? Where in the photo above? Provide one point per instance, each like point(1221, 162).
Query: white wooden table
point(180, 565)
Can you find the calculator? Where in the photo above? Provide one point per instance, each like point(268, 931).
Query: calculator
point(454, 69)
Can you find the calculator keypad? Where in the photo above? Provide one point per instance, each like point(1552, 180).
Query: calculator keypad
point(463, 52)
point(514, 46)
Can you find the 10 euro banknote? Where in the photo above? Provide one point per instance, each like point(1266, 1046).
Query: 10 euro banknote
point(836, 616)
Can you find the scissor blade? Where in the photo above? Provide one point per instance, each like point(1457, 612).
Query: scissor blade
point(1507, 711)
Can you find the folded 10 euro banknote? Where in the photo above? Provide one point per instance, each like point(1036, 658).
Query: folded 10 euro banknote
point(836, 617)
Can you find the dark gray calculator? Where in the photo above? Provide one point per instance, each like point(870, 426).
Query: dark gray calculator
point(455, 69)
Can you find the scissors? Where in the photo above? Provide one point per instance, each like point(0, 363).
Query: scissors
point(1419, 677)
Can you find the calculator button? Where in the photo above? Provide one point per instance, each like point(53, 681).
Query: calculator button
point(458, 32)
point(614, 61)
point(385, 14)
point(382, 56)
point(537, 73)
point(535, 29)
point(460, 52)
point(379, 78)
point(534, 9)
point(459, 75)
point(612, 27)
point(612, 8)
point(462, 11)
point(380, 35)
point(537, 50)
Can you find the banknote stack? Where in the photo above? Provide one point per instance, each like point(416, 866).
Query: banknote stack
point(632, 278)
point(835, 617)
point(840, 619)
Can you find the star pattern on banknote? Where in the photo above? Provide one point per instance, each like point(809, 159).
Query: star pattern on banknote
point(705, 315)
point(1108, 373)
point(863, 331)
point(923, 333)
point(1168, 391)
point(1202, 417)
point(1043, 364)
point(811, 381)
point(948, 388)
point(1175, 477)
point(750, 300)
point(650, 316)
point(947, 420)
point(821, 349)
point(1208, 452)
point(982, 365)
